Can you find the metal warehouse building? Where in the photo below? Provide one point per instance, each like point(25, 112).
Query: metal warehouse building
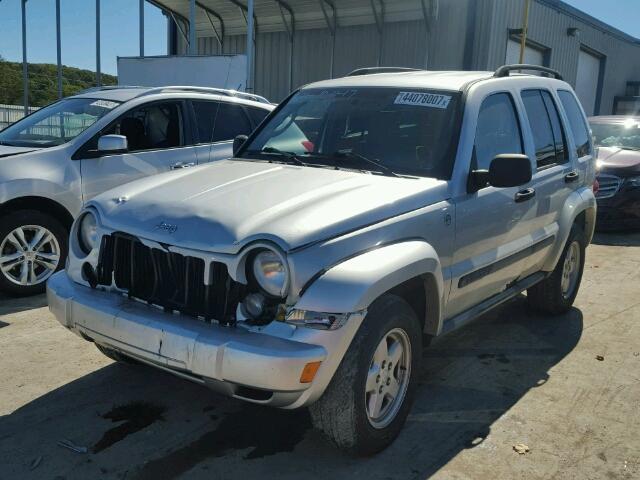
point(300, 41)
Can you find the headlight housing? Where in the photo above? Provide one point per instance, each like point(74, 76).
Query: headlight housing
point(633, 181)
point(316, 320)
point(88, 232)
point(270, 272)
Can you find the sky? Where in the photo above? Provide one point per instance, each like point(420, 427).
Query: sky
point(119, 29)
point(118, 32)
point(621, 14)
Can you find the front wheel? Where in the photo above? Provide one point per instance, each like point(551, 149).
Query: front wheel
point(556, 293)
point(33, 246)
point(368, 400)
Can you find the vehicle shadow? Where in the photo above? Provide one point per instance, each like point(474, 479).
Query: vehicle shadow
point(617, 239)
point(469, 379)
point(9, 305)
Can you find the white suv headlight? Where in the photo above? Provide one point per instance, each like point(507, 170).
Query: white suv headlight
point(88, 232)
point(271, 273)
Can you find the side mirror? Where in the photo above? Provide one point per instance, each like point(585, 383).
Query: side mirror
point(509, 170)
point(112, 144)
point(238, 142)
point(506, 170)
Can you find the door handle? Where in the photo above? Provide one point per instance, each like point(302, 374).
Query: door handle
point(179, 165)
point(524, 195)
point(571, 177)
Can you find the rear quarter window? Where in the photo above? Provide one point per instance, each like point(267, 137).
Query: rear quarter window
point(577, 122)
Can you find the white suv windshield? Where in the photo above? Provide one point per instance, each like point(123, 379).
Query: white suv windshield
point(56, 124)
point(403, 131)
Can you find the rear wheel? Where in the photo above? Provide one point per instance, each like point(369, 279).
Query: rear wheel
point(33, 246)
point(556, 294)
point(368, 400)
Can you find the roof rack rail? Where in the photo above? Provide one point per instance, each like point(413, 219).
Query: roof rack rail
point(372, 70)
point(504, 70)
point(106, 87)
point(217, 91)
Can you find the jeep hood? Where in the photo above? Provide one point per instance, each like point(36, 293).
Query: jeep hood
point(225, 205)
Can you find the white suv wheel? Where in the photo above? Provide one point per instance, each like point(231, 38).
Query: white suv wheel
point(29, 255)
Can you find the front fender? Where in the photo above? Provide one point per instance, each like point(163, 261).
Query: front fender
point(355, 283)
point(32, 187)
point(579, 201)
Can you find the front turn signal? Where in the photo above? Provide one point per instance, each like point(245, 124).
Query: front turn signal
point(309, 372)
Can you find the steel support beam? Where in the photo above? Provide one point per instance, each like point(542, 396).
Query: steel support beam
point(251, 48)
point(379, 19)
point(332, 25)
point(58, 49)
point(193, 45)
point(176, 17)
point(428, 13)
point(25, 70)
point(98, 72)
point(291, 31)
point(141, 26)
point(212, 13)
point(243, 10)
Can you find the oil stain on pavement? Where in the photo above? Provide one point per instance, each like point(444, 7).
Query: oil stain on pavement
point(261, 429)
point(136, 416)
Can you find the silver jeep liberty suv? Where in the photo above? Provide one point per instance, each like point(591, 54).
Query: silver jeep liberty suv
point(365, 215)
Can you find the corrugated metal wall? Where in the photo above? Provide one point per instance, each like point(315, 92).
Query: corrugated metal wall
point(548, 27)
point(468, 34)
point(404, 44)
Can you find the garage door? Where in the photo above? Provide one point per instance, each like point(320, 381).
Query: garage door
point(587, 80)
point(532, 56)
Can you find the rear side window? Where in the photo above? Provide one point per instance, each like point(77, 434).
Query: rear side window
point(498, 130)
point(545, 127)
point(562, 155)
point(257, 115)
point(205, 118)
point(231, 120)
point(577, 123)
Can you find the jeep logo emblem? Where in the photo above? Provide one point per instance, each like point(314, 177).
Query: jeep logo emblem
point(167, 227)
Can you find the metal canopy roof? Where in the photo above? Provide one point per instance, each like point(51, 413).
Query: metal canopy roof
point(229, 16)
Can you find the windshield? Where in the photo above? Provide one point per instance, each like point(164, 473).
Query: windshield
point(624, 135)
point(394, 131)
point(56, 124)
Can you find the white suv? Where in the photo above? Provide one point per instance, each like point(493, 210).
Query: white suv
point(365, 214)
point(61, 156)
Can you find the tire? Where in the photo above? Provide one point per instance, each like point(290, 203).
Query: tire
point(116, 356)
point(548, 296)
point(53, 244)
point(342, 412)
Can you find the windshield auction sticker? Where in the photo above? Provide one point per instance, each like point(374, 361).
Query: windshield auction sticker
point(105, 104)
point(432, 100)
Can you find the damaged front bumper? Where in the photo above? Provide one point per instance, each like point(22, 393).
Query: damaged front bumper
point(258, 364)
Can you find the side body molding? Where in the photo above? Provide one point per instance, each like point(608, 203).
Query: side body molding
point(581, 200)
point(354, 284)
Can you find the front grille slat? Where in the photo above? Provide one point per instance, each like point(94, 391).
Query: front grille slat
point(608, 186)
point(167, 279)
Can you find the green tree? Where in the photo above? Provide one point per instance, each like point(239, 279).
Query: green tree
point(43, 82)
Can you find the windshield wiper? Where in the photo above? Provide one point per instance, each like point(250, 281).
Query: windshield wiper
point(287, 155)
point(362, 159)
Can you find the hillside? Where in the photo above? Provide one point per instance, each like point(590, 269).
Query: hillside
point(43, 83)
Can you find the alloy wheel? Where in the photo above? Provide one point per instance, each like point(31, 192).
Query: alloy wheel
point(388, 378)
point(29, 255)
point(570, 270)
